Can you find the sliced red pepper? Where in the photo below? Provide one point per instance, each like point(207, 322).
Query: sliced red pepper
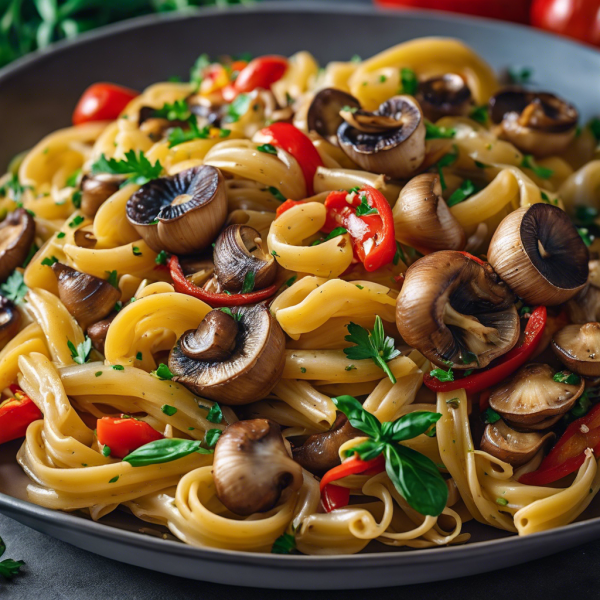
point(102, 102)
point(333, 498)
point(505, 365)
point(287, 205)
point(125, 434)
point(292, 140)
point(568, 453)
point(16, 414)
point(184, 286)
point(261, 72)
point(373, 236)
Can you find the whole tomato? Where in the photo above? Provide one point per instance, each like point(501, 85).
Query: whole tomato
point(579, 19)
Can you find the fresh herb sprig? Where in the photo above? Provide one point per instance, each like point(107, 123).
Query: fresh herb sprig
point(136, 167)
point(14, 288)
point(8, 567)
point(373, 345)
point(165, 450)
point(414, 475)
point(81, 353)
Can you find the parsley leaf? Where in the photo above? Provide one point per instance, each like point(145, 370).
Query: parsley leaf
point(528, 162)
point(9, 567)
point(13, 189)
point(168, 410)
point(371, 345)
point(442, 375)
point(161, 258)
point(466, 189)
point(567, 377)
point(364, 208)
point(585, 235)
point(490, 415)
point(215, 414)
point(480, 114)
point(433, 132)
point(136, 167)
point(177, 111)
point(238, 108)
point(267, 149)
point(162, 372)
point(212, 437)
point(446, 161)
point(113, 278)
point(409, 82)
point(14, 288)
point(278, 195)
point(80, 354)
point(248, 284)
point(284, 544)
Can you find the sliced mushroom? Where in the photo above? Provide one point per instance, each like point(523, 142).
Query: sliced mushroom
point(538, 252)
point(455, 310)
point(89, 299)
point(246, 374)
point(422, 218)
point(324, 112)
point(578, 348)
point(390, 141)
point(534, 396)
point(206, 109)
point(97, 189)
point(511, 446)
point(537, 123)
point(85, 238)
point(17, 233)
point(238, 252)
point(98, 331)
point(182, 213)
point(443, 96)
point(10, 321)
point(215, 338)
point(252, 467)
point(320, 452)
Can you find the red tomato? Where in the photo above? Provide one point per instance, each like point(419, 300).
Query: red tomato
point(579, 19)
point(102, 102)
point(125, 435)
point(16, 414)
point(262, 72)
point(506, 10)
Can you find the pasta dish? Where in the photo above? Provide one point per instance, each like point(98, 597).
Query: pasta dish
point(284, 308)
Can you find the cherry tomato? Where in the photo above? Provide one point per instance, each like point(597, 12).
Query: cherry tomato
point(125, 435)
point(102, 102)
point(579, 19)
point(262, 72)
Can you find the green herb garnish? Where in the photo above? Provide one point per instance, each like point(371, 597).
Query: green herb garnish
point(136, 167)
point(168, 410)
point(80, 354)
point(433, 132)
point(165, 450)
point(409, 84)
point(267, 149)
point(464, 191)
point(162, 372)
point(567, 377)
point(284, 544)
point(480, 114)
point(278, 195)
point(528, 162)
point(442, 375)
point(364, 208)
point(248, 284)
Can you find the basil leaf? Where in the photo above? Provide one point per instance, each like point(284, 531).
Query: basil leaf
point(284, 544)
point(409, 426)
point(162, 451)
point(358, 416)
point(368, 450)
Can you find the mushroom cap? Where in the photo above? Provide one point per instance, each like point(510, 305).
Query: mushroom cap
point(98, 331)
point(88, 298)
point(444, 95)
point(250, 372)
point(445, 293)
point(532, 395)
point(324, 112)
point(539, 253)
point(252, 467)
point(238, 251)
point(181, 213)
point(578, 348)
point(511, 446)
point(320, 452)
point(97, 189)
point(422, 218)
point(10, 321)
point(390, 141)
point(214, 340)
point(17, 233)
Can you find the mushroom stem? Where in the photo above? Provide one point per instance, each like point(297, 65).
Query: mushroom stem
point(470, 325)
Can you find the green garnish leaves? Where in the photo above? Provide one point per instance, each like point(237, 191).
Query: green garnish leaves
point(136, 167)
point(585, 235)
point(215, 414)
point(364, 208)
point(409, 84)
point(114, 479)
point(177, 111)
point(466, 189)
point(136, 251)
point(113, 278)
point(528, 162)
point(77, 220)
point(520, 75)
point(284, 544)
point(165, 450)
point(162, 372)
point(267, 149)
point(291, 281)
point(358, 416)
point(13, 189)
point(118, 368)
point(371, 345)
point(60, 235)
point(278, 195)
point(161, 258)
point(80, 354)
point(105, 451)
point(446, 161)
point(336, 232)
point(489, 415)
point(442, 375)
point(567, 377)
point(9, 567)
point(227, 311)
point(49, 261)
point(502, 501)
point(433, 132)
point(212, 437)
point(248, 284)
point(480, 114)
point(168, 410)
point(238, 108)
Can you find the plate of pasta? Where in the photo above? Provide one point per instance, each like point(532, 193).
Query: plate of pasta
point(306, 323)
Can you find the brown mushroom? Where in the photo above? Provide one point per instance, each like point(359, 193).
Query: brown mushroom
point(320, 452)
point(10, 321)
point(84, 238)
point(246, 373)
point(99, 330)
point(390, 141)
point(324, 112)
point(537, 123)
point(239, 256)
point(578, 348)
point(17, 233)
point(422, 219)
point(182, 213)
point(535, 395)
point(511, 446)
point(96, 189)
point(585, 306)
point(538, 252)
point(252, 467)
point(445, 95)
point(89, 299)
point(455, 310)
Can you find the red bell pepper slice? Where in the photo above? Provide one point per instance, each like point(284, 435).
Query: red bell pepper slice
point(331, 495)
point(373, 236)
point(568, 453)
point(292, 140)
point(261, 72)
point(184, 286)
point(124, 435)
point(102, 102)
point(287, 205)
point(505, 366)
point(16, 414)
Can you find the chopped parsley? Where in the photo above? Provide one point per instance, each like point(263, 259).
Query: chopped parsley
point(168, 410)
point(77, 220)
point(139, 356)
point(489, 415)
point(212, 437)
point(267, 149)
point(113, 278)
point(291, 280)
point(464, 191)
point(60, 235)
point(215, 414)
point(14, 289)
point(49, 261)
point(528, 162)
point(105, 451)
point(442, 375)
point(567, 377)
point(278, 195)
point(238, 108)
point(433, 132)
point(480, 114)
point(80, 354)
point(248, 284)
point(409, 84)
point(446, 161)
point(284, 544)
point(501, 501)
point(114, 479)
point(177, 111)
point(118, 367)
point(453, 402)
point(162, 372)
point(364, 209)
point(136, 251)
point(136, 167)
point(161, 258)
point(197, 71)
point(585, 235)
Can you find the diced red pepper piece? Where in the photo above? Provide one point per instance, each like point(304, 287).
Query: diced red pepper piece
point(124, 435)
point(16, 414)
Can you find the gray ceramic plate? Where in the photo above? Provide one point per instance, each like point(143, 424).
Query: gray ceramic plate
point(37, 95)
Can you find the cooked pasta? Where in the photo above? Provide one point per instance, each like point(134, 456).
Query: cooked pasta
point(290, 309)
